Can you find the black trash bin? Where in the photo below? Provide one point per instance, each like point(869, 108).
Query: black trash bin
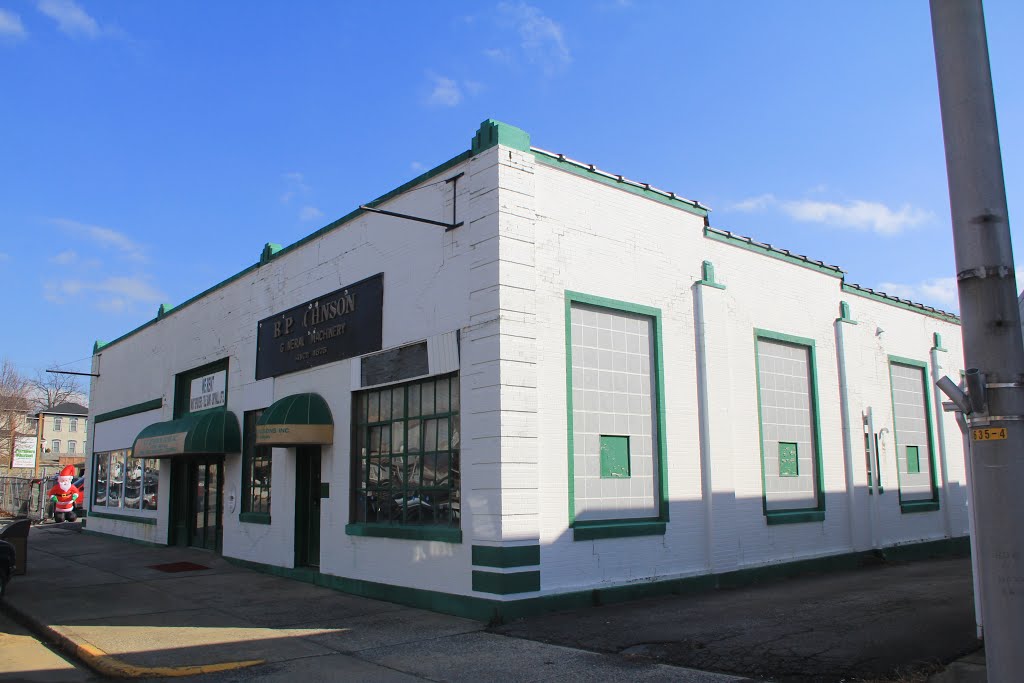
point(16, 533)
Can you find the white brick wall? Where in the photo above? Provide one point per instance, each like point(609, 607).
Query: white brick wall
point(532, 232)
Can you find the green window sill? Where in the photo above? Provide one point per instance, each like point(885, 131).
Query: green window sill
point(619, 528)
point(123, 518)
point(409, 533)
point(794, 517)
point(254, 517)
point(919, 506)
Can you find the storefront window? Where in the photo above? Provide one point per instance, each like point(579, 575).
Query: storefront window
point(407, 454)
point(122, 481)
point(256, 462)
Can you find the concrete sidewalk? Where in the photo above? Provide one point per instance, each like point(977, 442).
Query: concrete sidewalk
point(104, 601)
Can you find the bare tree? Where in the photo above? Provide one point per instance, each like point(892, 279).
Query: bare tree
point(51, 389)
point(14, 409)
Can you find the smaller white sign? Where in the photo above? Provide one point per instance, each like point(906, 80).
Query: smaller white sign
point(24, 452)
point(209, 391)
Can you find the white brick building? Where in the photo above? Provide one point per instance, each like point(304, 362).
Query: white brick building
point(568, 385)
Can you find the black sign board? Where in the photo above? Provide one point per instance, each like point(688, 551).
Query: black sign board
point(333, 327)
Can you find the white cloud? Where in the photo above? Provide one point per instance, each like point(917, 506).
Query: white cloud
point(11, 26)
point(295, 186)
point(70, 18)
point(104, 237)
point(310, 213)
point(444, 93)
point(417, 166)
point(65, 258)
point(112, 294)
point(499, 54)
point(540, 37)
point(856, 214)
point(473, 87)
point(938, 292)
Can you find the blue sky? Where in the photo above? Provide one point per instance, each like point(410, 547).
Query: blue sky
point(149, 149)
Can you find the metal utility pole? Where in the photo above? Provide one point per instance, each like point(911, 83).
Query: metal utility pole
point(993, 348)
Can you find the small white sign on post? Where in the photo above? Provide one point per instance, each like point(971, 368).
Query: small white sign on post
point(24, 452)
point(208, 391)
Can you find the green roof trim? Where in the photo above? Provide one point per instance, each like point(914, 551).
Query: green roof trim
point(492, 133)
point(298, 409)
point(269, 249)
point(591, 172)
point(164, 310)
point(97, 345)
point(211, 431)
point(769, 250)
point(906, 304)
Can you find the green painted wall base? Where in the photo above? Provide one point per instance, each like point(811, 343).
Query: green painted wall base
point(496, 611)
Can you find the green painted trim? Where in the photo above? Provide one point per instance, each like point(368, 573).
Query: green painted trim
point(132, 541)
point(504, 556)
point(269, 249)
point(844, 313)
point(492, 133)
point(917, 505)
point(774, 517)
point(901, 303)
point(819, 479)
point(768, 250)
point(640, 189)
point(408, 533)
point(144, 407)
point(617, 528)
point(163, 310)
point(351, 216)
point(705, 283)
point(123, 518)
point(658, 391)
point(937, 342)
point(97, 345)
point(486, 609)
point(506, 584)
point(254, 517)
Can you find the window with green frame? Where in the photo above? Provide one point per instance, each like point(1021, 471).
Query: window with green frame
point(406, 454)
point(915, 461)
point(256, 469)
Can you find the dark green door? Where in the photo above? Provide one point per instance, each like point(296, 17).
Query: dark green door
point(307, 506)
point(197, 503)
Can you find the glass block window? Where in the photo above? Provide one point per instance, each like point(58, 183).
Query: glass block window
point(787, 417)
point(616, 473)
point(123, 482)
point(406, 448)
point(913, 427)
point(256, 468)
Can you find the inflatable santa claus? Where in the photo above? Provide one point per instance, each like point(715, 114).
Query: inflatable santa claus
point(64, 495)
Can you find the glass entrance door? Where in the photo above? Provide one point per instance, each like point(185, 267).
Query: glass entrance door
point(206, 480)
point(197, 509)
point(307, 506)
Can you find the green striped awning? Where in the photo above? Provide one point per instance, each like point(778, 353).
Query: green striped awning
point(213, 431)
point(296, 420)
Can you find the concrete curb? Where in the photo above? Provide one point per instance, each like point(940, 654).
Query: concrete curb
point(107, 665)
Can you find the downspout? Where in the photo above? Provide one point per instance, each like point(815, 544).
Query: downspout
point(844, 410)
point(943, 469)
point(704, 425)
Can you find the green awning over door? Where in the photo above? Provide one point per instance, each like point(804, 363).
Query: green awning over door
point(296, 420)
point(211, 432)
